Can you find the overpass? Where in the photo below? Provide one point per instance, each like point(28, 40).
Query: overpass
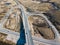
point(26, 29)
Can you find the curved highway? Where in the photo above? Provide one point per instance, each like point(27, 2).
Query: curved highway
point(29, 38)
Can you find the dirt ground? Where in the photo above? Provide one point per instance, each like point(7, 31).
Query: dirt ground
point(39, 26)
point(40, 7)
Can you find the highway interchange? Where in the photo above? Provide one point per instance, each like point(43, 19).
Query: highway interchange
point(29, 38)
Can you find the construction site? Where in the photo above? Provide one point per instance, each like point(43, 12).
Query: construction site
point(29, 22)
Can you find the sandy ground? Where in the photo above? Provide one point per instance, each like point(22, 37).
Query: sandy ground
point(5, 5)
point(40, 7)
point(39, 26)
point(12, 23)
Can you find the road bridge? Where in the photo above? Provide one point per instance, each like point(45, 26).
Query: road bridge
point(26, 29)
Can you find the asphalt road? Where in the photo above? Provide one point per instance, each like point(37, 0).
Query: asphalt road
point(29, 39)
